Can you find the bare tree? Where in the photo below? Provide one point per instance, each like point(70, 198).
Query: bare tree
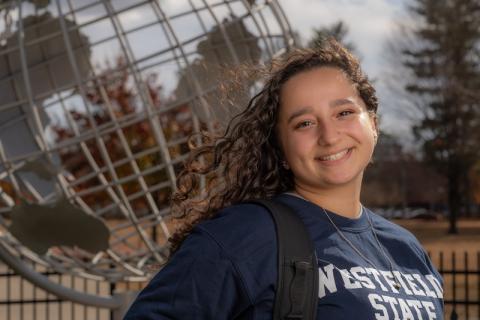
point(444, 60)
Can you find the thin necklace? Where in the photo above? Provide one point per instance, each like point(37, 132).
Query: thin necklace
point(396, 283)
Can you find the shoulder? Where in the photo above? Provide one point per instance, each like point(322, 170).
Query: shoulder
point(382, 224)
point(241, 229)
point(403, 243)
point(396, 234)
point(198, 275)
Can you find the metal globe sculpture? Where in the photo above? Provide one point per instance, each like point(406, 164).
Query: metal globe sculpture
point(97, 101)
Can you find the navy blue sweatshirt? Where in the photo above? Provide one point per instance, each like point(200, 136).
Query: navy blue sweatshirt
point(227, 268)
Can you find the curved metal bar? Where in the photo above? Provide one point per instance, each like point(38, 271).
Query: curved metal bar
point(283, 22)
point(120, 199)
point(113, 302)
point(39, 138)
point(195, 120)
point(138, 173)
point(36, 128)
point(123, 207)
point(224, 33)
point(193, 79)
point(157, 133)
point(257, 24)
point(143, 91)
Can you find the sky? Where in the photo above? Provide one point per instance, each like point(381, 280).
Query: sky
point(371, 24)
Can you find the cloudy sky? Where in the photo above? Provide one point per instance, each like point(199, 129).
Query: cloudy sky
point(371, 23)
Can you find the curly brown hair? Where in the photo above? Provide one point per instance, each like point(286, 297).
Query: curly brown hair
point(245, 162)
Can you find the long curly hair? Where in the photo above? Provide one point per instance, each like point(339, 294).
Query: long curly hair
point(246, 161)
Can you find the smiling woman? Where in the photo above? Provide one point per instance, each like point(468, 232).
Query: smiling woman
point(327, 136)
point(304, 141)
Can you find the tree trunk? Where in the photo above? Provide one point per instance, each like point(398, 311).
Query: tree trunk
point(454, 196)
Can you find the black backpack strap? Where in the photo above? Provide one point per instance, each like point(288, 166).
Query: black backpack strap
point(296, 296)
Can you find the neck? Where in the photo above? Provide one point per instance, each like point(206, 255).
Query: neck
point(342, 200)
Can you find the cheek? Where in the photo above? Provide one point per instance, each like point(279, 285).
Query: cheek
point(293, 146)
point(300, 147)
point(366, 128)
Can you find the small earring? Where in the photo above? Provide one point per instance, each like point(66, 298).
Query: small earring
point(285, 165)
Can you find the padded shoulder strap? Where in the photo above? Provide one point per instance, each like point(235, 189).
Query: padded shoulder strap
point(296, 296)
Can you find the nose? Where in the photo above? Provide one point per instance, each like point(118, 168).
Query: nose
point(328, 134)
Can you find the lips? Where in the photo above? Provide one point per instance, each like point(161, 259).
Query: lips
point(335, 156)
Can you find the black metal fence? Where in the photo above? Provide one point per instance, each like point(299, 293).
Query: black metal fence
point(461, 275)
point(20, 300)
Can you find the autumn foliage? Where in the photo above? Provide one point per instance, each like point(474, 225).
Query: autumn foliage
point(119, 119)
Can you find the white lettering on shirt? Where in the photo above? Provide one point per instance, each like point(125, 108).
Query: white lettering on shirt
point(437, 286)
point(406, 312)
point(373, 297)
point(384, 306)
point(326, 281)
point(389, 278)
point(398, 276)
point(349, 281)
point(376, 274)
point(417, 305)
point(392, 301)
point(358, 273)
point(416, 290)
point(430, 308)
point(429, 292)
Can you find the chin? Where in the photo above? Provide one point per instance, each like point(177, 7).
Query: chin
point(338, 181)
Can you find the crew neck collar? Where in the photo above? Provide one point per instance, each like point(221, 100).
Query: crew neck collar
point(310, 210)
point(359, 214)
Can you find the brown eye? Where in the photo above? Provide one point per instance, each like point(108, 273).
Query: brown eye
point(345, 113)
point(304, 124)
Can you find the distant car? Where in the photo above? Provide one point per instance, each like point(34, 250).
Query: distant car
point(407, 213)
point(422, 213)
point(389, 213)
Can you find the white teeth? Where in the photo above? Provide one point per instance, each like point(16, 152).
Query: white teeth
point(335, 156)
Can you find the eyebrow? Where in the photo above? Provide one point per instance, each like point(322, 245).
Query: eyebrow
point(333, 104)
point(299, 113)
point(341, 102)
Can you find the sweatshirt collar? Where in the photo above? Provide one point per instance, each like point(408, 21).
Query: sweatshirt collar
point(309, 211)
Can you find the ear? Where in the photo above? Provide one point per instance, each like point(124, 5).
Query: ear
point(374, 123)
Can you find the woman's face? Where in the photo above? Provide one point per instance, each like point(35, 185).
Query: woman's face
point(325, 131)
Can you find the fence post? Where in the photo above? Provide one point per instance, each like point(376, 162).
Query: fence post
point(466, 270)
point(454, 315)
point(454, 285)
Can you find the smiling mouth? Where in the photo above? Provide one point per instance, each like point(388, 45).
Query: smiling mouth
point(336, 156)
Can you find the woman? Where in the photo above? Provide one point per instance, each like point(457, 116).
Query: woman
point(304, 140)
